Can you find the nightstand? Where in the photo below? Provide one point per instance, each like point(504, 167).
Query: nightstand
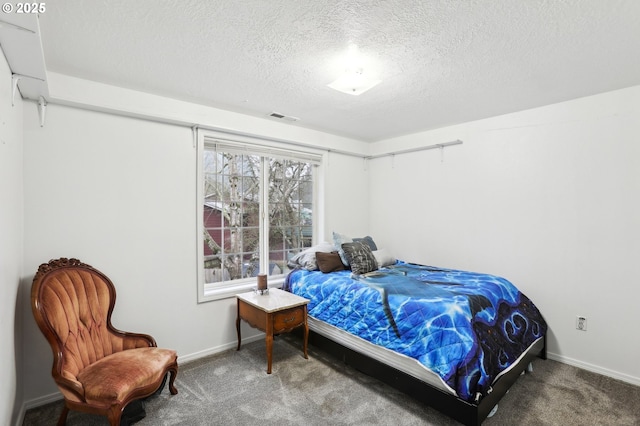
point(275, 312)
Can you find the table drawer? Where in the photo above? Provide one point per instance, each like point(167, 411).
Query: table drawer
point(288, 319)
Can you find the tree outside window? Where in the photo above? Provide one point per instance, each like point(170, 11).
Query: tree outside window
point(235, 187)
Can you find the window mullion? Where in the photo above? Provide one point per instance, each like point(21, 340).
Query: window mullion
point(264, 215)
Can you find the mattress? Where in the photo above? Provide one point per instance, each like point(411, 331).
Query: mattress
point(393, 359)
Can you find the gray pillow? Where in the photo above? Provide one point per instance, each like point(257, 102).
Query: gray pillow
point(360, 257)
point(339, 239)
point(368, 241)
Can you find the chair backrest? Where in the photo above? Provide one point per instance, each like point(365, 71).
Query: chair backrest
point(72, 303)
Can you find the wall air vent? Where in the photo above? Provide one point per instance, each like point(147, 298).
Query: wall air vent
point(283, 117)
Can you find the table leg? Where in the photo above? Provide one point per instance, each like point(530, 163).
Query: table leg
point(269, 341)
point(306, 334)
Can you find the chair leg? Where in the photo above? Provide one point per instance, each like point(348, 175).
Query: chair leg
point(63, 416)
point(172, 388)
point(114, 415)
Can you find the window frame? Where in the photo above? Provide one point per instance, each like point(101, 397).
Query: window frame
point(245, 144)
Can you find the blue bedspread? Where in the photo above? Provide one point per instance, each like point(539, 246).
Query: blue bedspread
point(466, 327)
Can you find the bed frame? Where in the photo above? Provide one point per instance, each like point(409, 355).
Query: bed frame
point(450, 405)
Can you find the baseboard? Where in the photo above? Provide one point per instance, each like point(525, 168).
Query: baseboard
point(20, 417)
point(595, 369)
point(217, 349)
point(36, 402)
point(42, 400)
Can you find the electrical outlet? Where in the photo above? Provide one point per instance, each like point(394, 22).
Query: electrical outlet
point(581, 323)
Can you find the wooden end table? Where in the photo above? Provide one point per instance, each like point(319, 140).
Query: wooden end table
point(276, 312)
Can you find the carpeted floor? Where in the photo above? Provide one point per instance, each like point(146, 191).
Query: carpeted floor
point(232, 388)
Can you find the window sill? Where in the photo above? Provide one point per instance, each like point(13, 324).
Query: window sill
point(211, 292)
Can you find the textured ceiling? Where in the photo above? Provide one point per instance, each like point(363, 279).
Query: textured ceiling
point(441, 62)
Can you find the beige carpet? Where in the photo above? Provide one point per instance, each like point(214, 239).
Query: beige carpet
point(233, 388)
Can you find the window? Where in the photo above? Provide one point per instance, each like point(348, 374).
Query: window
point(256, 210)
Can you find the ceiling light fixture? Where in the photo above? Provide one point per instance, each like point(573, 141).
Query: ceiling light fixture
point(354, 82)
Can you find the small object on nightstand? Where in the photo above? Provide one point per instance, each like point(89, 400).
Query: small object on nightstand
point(262, 281)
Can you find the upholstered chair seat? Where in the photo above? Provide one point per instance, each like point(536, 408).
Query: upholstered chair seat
point(98, 368)
point(137, 368)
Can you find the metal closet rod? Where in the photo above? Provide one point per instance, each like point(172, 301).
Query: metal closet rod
point(403, 151)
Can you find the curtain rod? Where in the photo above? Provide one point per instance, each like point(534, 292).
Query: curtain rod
point(403, 151)
point(420, 148)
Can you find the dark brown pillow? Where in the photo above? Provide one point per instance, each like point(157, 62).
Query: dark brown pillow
point(329, 262)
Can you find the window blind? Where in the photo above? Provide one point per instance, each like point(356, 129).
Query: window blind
point(235, 147)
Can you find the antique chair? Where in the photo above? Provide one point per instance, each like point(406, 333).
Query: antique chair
point(98, 368)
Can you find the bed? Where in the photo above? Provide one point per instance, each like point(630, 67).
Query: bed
point(456, 340)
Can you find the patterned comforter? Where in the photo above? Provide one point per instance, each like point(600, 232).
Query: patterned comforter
point(466, 327)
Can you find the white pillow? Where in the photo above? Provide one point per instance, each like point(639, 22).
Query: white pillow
point(383, 257)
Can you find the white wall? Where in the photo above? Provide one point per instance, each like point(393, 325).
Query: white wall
point(347, 196)
point(119, 193)
point(11, 224)
point(548, 198)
